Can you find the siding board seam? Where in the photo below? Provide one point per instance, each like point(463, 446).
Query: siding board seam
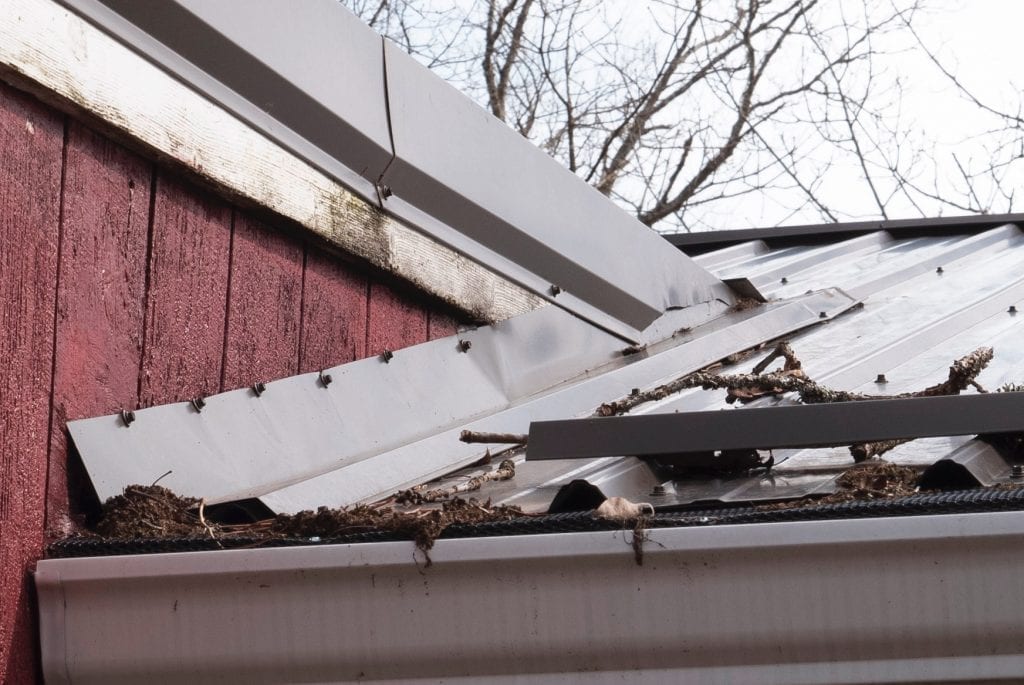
point(146, 281)
point(227, 301)
point(47, 522)
point(302, 309)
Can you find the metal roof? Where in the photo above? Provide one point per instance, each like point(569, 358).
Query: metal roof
point(927, 300)
point(852, 309)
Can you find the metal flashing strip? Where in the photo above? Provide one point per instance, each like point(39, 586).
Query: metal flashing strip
point(501, 191)
point(415, 146)
point(811, 425)
point(443, 452)
point(759, 603)
point(707, 241)
point(266, 63)
point(301, 444)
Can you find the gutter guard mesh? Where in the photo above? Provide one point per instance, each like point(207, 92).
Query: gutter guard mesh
point(977, 500)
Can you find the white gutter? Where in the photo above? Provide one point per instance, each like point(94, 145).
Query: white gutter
point(914, 599)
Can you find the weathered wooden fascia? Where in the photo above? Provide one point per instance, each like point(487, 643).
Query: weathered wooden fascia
point(59, 57)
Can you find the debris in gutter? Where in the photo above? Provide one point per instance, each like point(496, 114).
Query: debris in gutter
point(151, 512)
point(867, 481)
point(621, 509)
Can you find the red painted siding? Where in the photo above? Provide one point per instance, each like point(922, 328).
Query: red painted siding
point(102, 279)
point(393, 322)
point(187, 298)
point(31, 142)
point(122, 286)
point(334, 313)
point(264, 307)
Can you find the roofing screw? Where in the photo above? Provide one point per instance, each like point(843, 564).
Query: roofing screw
point(324, 378)
point(880, 379)
point(634, 392)
point(387, 355)
point(1012, 309)
point(784, 280)
point(555, 290)
point(127, 416)
point(938, 270)
point(197, 403)
point(822, 315)
point(385, 190)
point(1017, 471)
point(658, 491)
point(259, 388)
point(464, 345)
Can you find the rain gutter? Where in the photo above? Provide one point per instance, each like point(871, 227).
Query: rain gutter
point(793, 602)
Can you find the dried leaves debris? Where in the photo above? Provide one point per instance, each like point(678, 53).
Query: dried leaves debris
point(867, 481)
point(154, 512)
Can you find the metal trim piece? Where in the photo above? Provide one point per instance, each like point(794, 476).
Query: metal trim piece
point(415, 146)
point(469, 170)
point(301, 445)
point(255, 61)
point(764, 603)
point(814, 425)
point(707, 241)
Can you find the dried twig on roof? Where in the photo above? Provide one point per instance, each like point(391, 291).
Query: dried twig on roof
point(506, 471)
point(962, 374)
point(493, 438)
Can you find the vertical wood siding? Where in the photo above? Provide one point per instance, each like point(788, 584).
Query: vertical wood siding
point(122, 286)
point(31, 147)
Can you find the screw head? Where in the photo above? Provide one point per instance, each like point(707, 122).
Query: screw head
point(658, 491)
point(555, 290)
point(259, 388)
point(822, 315)
point(387, 355)
point(784, 280)
point(127, 416)
point(325, 379)
point(385, 191)
point(198, 403)
point(938, 270)
point(1017, 471)
point(880, 379)
point(464, 345)
point(1012, 309)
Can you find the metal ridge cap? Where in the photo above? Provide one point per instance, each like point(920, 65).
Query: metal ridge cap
point(707, 241)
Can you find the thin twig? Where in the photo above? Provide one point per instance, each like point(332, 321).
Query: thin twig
point(493, 438)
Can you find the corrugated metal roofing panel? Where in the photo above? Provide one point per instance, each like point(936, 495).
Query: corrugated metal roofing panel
point(914, 323)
